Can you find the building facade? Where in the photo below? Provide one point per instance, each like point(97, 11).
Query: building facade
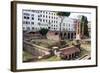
point(34, 20)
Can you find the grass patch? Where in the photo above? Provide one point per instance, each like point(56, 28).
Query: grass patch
point(26, 56)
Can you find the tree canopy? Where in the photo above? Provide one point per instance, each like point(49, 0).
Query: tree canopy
point(84, 23)
point(43, 31)
point(63, 14)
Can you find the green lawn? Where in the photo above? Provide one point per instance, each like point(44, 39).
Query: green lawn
point(85, 50)
point(86, 46)
point(26, 56)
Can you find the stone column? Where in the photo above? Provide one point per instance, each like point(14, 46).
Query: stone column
point(70, 35)
point(78, 34)
point(67, 35)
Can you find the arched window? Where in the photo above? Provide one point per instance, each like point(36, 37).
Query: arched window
point(68, 35)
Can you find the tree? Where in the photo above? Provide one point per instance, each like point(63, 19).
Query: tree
point(62, 15)
point(43, 31)
point(84, 26)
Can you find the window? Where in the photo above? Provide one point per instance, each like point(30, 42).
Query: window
point(40, 19)
point(64, 34)
point(43, 15)
point(56, 21)
point(46, 20)
point(32, 15)
point(32, 28)
point(43, 20)
point(27, 22)
point(43, 11)
point(28, 28)
point(49, 21)
point(46, 16)
point(32, 18)
point(46, 12)
point(48, 27)
point(24, 17)
point(74, 33)
point(27, 17)
point(40, 15)
point(32, 23)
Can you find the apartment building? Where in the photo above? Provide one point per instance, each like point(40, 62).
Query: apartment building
point(34, 20)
